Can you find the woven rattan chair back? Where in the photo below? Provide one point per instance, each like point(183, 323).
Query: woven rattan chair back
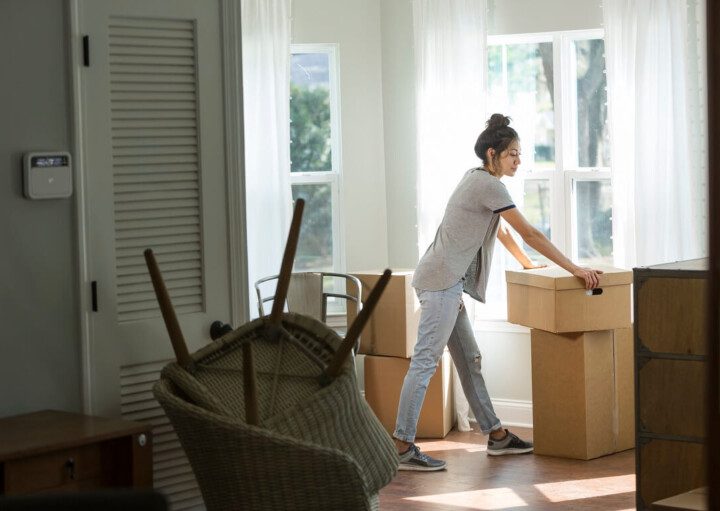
point(293, 404)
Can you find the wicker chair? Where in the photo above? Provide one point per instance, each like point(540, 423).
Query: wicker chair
point(270, 415)
point(317, 447)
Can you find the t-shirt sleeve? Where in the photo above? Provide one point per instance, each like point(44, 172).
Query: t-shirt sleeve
point(498, 198)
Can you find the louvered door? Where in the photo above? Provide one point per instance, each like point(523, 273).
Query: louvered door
point(155, 177)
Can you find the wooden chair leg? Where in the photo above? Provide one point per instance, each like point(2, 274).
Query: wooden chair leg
point(168, 312)
point(333, 368)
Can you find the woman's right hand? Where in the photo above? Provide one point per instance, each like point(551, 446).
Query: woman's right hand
point(590, 276)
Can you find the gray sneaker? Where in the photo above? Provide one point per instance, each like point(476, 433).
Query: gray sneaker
point(413, 459)
point(511, 444)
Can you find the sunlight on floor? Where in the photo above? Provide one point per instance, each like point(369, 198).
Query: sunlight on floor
point(494, 498)
point(587, 488)
point(446, 445)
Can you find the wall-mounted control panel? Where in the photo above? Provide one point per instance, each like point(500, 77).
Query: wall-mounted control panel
point(47, 175)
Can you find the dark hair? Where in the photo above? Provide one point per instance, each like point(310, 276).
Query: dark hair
point(497, 135)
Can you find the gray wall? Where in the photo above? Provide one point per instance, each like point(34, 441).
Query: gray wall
point(39, 344)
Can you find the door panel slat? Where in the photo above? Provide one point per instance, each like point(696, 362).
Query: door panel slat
point(160, 53)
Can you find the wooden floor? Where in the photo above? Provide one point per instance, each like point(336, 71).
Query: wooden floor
point(527, 482)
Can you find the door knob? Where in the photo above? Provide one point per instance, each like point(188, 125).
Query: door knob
point(218, 329)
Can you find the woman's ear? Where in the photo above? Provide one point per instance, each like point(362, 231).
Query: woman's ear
point(490, 153)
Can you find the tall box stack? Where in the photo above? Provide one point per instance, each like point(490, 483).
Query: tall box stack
point(387, 342)
point(582, 360)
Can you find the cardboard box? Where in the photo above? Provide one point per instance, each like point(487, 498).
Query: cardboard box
point(583, 393)
point(384, 378)
point(553, 300)
point(392, 329)
point(695, 500)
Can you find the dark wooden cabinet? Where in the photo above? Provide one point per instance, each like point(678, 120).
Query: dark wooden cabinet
point(670, 378)
point(51, 451)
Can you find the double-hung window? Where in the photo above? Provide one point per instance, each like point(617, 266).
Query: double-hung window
point(315, 155)
point(553, 85)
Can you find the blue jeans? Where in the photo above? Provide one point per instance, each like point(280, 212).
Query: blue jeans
point(443, 321)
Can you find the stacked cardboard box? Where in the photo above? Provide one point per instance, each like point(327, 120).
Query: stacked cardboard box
point(582, 360)
point(387, 342)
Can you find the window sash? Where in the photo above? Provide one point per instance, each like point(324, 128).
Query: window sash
point(332, 177)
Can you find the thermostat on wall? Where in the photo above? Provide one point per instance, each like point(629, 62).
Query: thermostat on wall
point(47, 175)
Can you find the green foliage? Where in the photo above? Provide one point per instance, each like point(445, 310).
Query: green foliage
point(310, 129)
point(315, 247)
point(310, 152)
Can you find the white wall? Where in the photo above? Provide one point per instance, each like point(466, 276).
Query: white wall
point(524, 16)
point(355, 27)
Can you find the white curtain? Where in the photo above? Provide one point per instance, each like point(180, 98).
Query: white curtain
point(266, 93)
point(450, 62)
point(654, 52)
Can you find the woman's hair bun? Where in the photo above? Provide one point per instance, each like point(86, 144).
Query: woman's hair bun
point(498, 121)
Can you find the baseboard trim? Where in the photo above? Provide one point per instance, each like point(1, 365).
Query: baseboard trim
point(512, 412)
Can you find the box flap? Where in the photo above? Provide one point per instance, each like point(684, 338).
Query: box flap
point(557, 278)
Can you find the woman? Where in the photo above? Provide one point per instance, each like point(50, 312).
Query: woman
point(459, 260)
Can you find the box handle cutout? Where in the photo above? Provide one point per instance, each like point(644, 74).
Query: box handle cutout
point(594, 292)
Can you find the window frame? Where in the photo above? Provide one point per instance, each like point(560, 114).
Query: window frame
point(332, 177)
point(563, 223)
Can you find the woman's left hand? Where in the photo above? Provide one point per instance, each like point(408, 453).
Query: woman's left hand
point(533, 266)
point(589, 275)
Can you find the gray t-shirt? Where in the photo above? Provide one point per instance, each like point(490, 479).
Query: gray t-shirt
point(464, 242)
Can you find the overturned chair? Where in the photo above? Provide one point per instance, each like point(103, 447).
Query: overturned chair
point(270, 414)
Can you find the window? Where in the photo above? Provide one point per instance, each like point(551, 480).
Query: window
point(315, 155)
point(315, 162)
point(554, 87)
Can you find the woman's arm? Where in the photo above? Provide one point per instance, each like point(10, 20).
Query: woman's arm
point(539, 242)
point(517, 251)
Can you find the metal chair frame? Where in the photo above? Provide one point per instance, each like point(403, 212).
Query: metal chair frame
point(357, 298)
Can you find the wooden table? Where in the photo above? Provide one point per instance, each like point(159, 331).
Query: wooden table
point(52, 451)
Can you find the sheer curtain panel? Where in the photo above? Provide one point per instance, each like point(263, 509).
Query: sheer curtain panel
point(655, 57)
point(266, 93)
point(450, 63)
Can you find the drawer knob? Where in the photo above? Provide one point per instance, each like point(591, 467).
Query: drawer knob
point(70, 467)
point(142, 440)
